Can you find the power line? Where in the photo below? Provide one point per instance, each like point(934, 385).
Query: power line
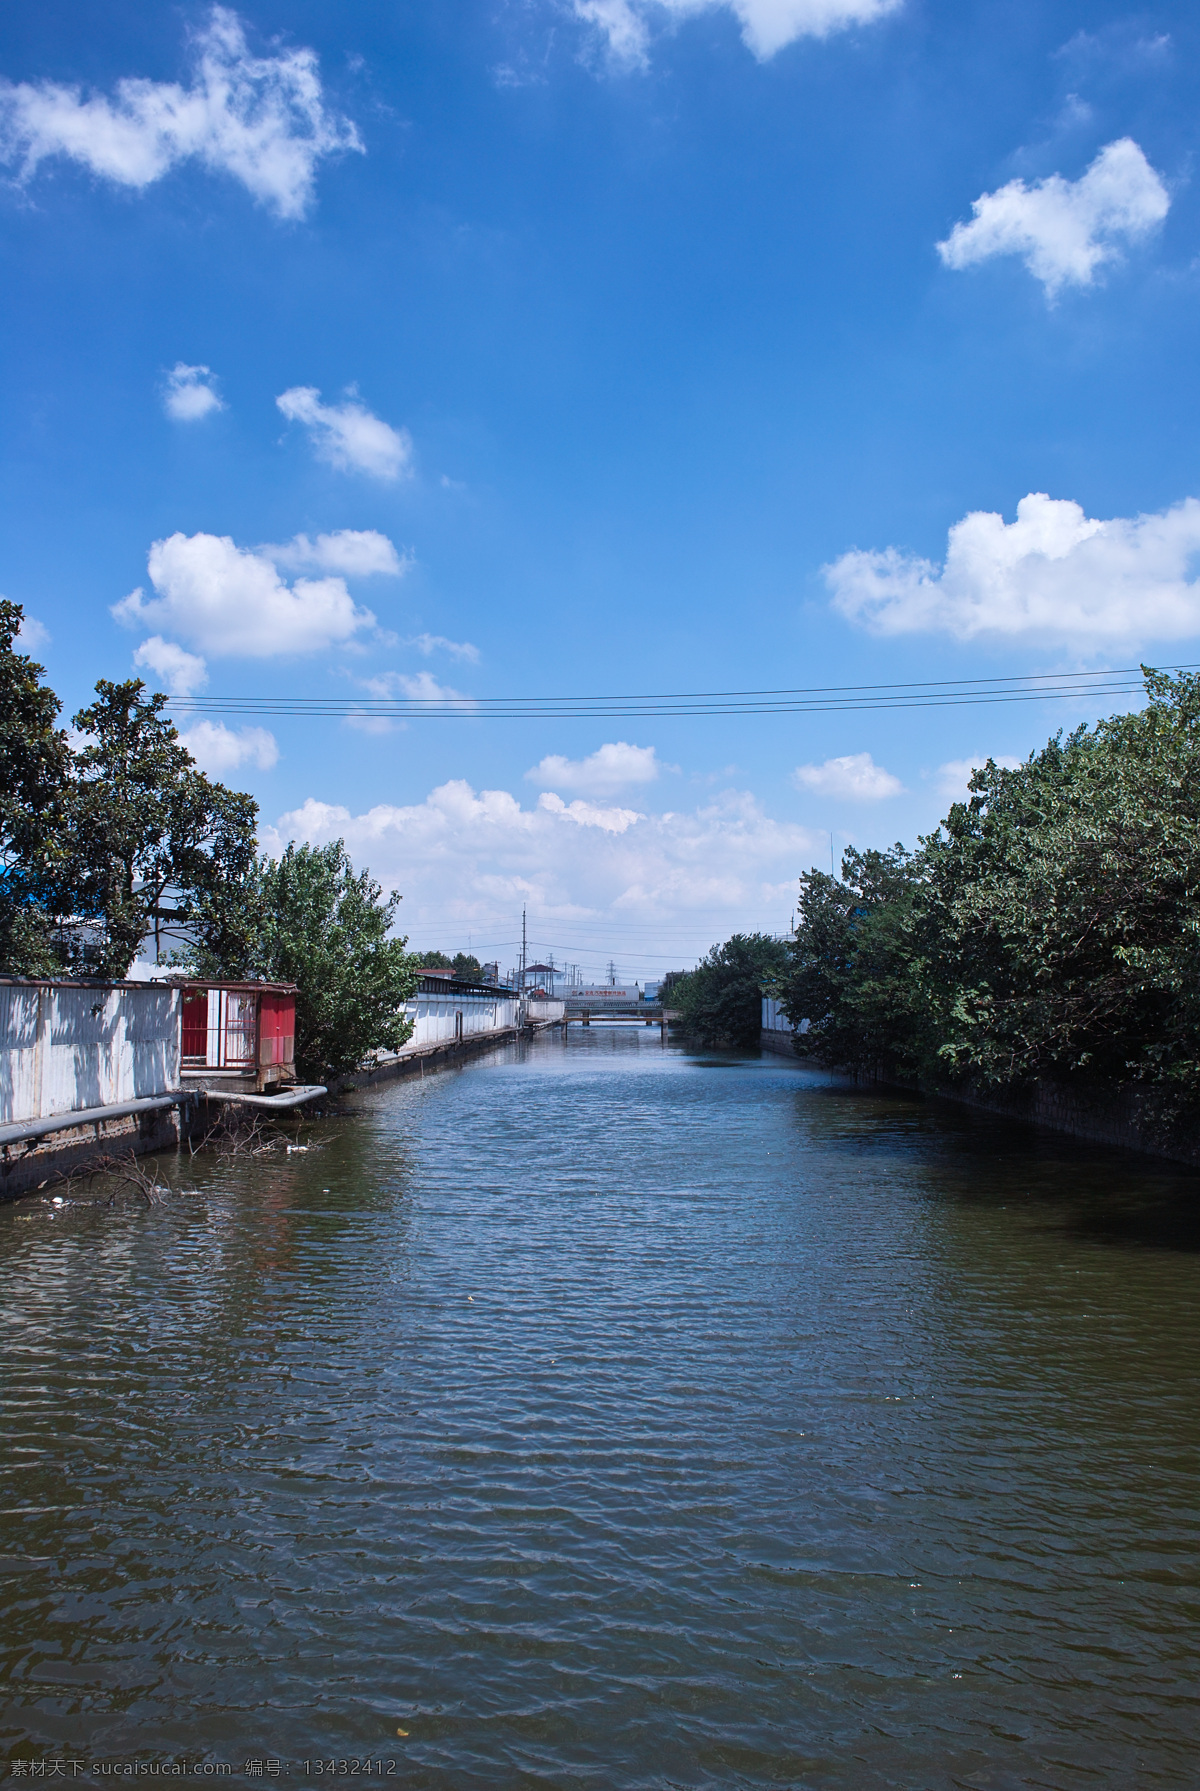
point(1022, 687)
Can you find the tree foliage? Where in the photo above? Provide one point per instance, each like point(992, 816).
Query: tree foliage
point(465, 967)
point(34, 764)
point(149, 839)
point(1050, 927)
point(325, 928)
point(720, 1001)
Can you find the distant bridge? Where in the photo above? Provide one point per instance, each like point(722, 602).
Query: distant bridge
point(631, 1013)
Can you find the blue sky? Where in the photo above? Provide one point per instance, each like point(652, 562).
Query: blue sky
point(616, 353)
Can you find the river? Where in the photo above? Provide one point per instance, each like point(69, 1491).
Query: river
point(607, 1414)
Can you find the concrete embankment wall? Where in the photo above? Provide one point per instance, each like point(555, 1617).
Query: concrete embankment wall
point(425, 1060)
point(40, 1162)
point(1100, 1114)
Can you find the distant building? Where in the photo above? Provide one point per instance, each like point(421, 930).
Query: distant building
point(650, 991)
point(602, 992)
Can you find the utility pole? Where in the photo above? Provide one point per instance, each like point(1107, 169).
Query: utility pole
point(524, 953)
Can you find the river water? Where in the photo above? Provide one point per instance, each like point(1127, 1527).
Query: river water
point(605, 1414)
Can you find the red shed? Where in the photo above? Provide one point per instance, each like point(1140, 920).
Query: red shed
point(235, 1033)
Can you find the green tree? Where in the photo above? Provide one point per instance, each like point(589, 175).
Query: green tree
point(436, 960)
point(856, 966)
point(326, 930)
point(1049, 928)
point(1066, 896)
point(466, 967)
point(720, 1001)
point(149, 841)
point(34, 765)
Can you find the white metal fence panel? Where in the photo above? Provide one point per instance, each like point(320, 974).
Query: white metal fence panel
point(440, 1019)
point(65, 1047)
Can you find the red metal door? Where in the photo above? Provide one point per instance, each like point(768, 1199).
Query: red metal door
point(195, 1025)
point(277, 1028)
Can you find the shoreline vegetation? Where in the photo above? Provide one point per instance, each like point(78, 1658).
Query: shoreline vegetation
point(1045, 935)
point(1038, 953)
point(112, 835)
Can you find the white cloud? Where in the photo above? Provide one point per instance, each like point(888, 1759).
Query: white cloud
point(347, 435)
point(356, 553)
point(465, 859)
point(218, 749)
point(589, 814)
point(231, 601)
point(261, 119)
point(32, 635)
point(437, 643)
point(954, 776)
point(1054, 572)
point(182, 672)
point(418, 687)
point(1063, 229)
point(854, 778)
point(190, 393)
point(767, 25)
point(621, 24)
point(612, 767)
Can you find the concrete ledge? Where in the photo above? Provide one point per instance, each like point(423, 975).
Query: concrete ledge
point(1102, 1114)
point(25, 1168)
point(424, 1060)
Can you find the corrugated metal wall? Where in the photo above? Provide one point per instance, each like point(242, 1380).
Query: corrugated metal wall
point(65, 1047)
point(437, 1022)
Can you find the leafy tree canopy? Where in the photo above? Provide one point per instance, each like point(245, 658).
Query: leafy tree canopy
point(34, 764)
point(720, 1001)
point(325, 928)
point(1050, 927)
point(149, 839)
point(466, 967)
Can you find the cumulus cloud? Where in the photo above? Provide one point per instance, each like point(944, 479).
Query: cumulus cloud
point(1054, 572)
point(262, 119)
point(32, 635)
point(589, 814)
point(612, 767)
point(417, 687)
point(414, 687)
point(437, 643)
point(854, 778)
point(230, 601)
point(218, 749)
point(467, 859)
point(953, 777)
point(355, 553)
point(1064, 230)
point(190, 393)
point(347, 435)
point(767, 25)
point(182, 672)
